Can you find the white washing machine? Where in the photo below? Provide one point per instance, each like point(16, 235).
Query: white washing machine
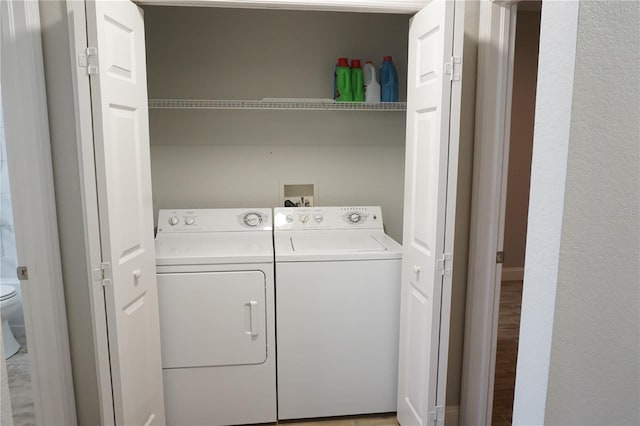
point(337, 312)
point(216, 294)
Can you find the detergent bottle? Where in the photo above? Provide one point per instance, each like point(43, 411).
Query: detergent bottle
point(344, 92)
point(371, 85)
point(357, 83)
point(389, 80)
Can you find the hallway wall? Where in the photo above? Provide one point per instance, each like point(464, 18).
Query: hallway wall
point(579, 355)
point(595, 355)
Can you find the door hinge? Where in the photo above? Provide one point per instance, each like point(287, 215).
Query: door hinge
point(439, 415)
point(444, 264)
point(500, 257)
point(22, 272)
point(454, 68)
point(89, 60)
point(436, 417)
point(103, 274)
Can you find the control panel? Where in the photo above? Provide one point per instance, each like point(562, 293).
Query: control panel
point(291, 218)
point(214, 220)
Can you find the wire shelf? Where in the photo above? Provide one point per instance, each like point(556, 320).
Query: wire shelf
point(276, 104)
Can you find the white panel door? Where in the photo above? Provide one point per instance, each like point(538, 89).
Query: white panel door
point(121, 138)
point(429, 212)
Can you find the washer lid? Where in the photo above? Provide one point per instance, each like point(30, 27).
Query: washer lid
point(7, 292)
point(320, 245)
point(336, 243)
point(214, 248)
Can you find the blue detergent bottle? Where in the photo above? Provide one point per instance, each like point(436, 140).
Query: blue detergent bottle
point(388, 81)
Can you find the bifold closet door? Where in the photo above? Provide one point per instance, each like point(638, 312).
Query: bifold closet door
point(433, 122)
point(116, 57)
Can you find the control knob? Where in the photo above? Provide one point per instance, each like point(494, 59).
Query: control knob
point(189, 220)
point(354, 217)
point(289, 218)
point(318, 218)
point(252, 219)
point(173, 220)
point(304, 218)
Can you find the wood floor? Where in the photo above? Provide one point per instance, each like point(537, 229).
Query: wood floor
point(506, 352)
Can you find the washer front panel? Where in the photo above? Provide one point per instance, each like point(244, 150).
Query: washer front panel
point(338, 325)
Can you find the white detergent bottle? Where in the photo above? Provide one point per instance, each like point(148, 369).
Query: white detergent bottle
point(371, 85)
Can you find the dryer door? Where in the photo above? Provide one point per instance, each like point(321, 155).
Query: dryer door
point(212, 318)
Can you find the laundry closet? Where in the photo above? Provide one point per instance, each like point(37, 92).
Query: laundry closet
point(209, 152)
point(219, 157)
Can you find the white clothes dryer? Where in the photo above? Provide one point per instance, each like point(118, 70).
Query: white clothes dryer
point(337, 312)
point(217, 327)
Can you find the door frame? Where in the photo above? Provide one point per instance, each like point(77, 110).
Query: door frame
point(361, 6)
point(84, 131)
point(490, 167)
point(33, 201)
point(495, 58)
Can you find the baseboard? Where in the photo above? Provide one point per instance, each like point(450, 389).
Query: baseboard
point(451, 415)
point(513, 274)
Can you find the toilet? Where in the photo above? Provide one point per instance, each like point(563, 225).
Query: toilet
point(8, 305)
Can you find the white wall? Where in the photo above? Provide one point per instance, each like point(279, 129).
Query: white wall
point(579, 353)
point(213, 176)
point(594, 377)
point(237, 158)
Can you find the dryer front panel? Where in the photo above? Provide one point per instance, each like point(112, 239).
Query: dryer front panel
point(212, 318)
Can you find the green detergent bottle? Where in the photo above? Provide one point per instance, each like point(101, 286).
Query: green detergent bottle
point(344, 92)
point(357, 81)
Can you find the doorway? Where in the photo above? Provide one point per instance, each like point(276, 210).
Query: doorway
point(15, 356)
point(523, 100)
